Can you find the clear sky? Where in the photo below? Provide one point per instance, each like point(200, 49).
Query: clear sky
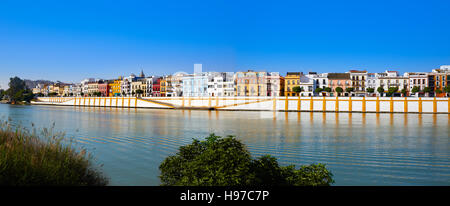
point(72, 40)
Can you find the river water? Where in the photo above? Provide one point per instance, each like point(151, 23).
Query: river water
point(359, 149)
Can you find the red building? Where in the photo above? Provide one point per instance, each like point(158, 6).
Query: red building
point(156, 88)
point(103, 88)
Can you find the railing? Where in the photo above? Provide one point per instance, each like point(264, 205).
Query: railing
point(323, 104)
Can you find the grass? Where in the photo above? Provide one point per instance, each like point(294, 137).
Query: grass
point(36, 159)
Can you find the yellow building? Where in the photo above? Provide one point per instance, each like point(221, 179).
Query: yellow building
point(163, 87)
point(251, 83)
point(291, 80)
point(139, 85)
point(115, 87)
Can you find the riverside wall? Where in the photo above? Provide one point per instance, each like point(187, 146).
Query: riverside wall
point(316, 104)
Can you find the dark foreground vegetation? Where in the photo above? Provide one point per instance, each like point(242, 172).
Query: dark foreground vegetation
point(221, 161)
point(28, 158)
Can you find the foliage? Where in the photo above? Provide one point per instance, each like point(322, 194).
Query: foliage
point(52, 94)
point(349, 89)
point(31, 159)
point(370, 90)
point(221, 161)
point(426, 90)
point(297, 89)
point(438, 91)
point(318, 90)
point(415, 89)
point(18, 91)
point(404, 91)
point(96, 94)
point(392, 90)
point(339, 89)
point(380, 90)
point(447, 89)
point(327, 89)
point(139, 91)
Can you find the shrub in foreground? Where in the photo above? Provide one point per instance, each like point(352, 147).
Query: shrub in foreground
point(221, 161)
point(26, 159)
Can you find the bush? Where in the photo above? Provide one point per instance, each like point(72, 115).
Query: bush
point(221, 161)
point(25, 159)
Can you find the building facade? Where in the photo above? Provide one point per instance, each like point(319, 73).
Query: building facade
point(339, 80)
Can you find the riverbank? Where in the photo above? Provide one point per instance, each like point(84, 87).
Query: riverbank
point(292, 104)
point(28, 159)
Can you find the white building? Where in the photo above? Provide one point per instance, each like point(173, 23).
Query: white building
point(308, 84)
point(358, 81)
point(392, 79)
point(85, 86)
point(221, 84)
point(176, 84)
point(195, 85)
point(417, 79)
point(126, 85)
point(275, 84)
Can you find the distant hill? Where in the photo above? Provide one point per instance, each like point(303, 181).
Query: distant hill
point(32, 83)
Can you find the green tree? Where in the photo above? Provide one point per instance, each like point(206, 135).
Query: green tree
point(415, 89)
point(318, 90)
point(18, 91)
point(349, 89)
point(426, 90)
point(339, 90)
point(297, 89)
point(404, 92)
point(380, 90)
point(392, 90)
point(447, 89)
point(438, 91)
point(139, 92)
point(52, 94)
point(327, 90)
point(370, 90)
point(221, 161)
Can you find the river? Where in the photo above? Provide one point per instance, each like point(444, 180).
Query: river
point(359, 149)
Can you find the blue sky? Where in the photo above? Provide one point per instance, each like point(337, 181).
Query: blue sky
point(71, 40)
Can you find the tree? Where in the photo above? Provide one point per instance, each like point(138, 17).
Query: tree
point(297, 89)
point(380, 90)
point(339, 90)
point(447, 89)
point(327, 89)
point(221, 161)
point(18, 91)
point(370, 90)
point(415, 89)
point(426, 90)
point(438, 91)
point(52, 94)
point(349, 89)
point(318, 90)
point(392, 90)
point(139, 92)
point(404, 92)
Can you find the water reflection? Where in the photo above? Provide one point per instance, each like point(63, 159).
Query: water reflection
point(360, 148)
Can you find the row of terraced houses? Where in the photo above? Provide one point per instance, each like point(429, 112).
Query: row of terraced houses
point(259, 83)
